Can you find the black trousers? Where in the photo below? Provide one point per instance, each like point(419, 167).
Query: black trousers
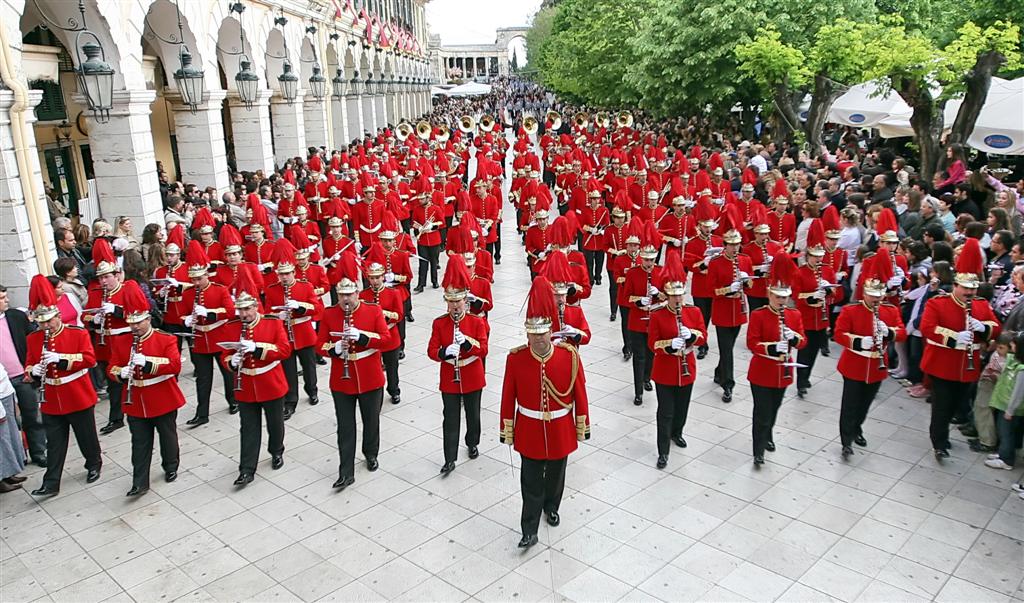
point(808, 355)
point(430, 255)
point(857, 398)
point(453, 405)
point(495, 247)
point(947, 397)
point(142, 430)
point(642, 361)
point(345, 413)
point(542, 483)
point(767, 401)
point(251, 414)
point(726, 341)
point(623, 321)
point(307, 358)
point(704, 305)
point(673, 406)
point(595, 264)
point(31, 418)
point(204, 382)
point(754, 303)
point(613, 289)
point(58, 428)
point(114, 395)
point(391, 371)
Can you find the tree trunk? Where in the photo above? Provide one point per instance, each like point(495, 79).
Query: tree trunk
point(926, 120)
point(822, 98)
point(979, 80)
point(747, 117)
point(789, 119)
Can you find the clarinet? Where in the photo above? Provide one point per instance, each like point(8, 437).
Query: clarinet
point(970, 347)
point(679, 326)
point(103, 319)
point(879, 336)
point(41, 395)
point(824, 306)
point(457, 378)
point(131, 377)
point(895, 267)
point(346, 321)
point(782, 335)
point(238, 372)
point(736, 275)
point(196, 301)
point(288, 316)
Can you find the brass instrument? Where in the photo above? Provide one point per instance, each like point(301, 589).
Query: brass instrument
point(879, 337)
point(624, 119)
point(530, 125)
point(487, 123)
point(444, 133)
point(404, 130)
point(423, 130)
point(41, 392)
point(467, 124)
point(679, 325)
point(103, 318)
point(345, 324)
point(288, 316)
point(554, 118)
point(970, 347)
point(581, 120)
point(131, 376)
point(457, 378)
point(601, 119)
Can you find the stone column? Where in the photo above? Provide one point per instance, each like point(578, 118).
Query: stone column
point(314, 115)
point(380, 106)
point(354, 113)
point(339, 122)
point(202, 154)
point(123, 159)
point(250, 129)
point(289, 129)
point(18, 262)
point(370, 121)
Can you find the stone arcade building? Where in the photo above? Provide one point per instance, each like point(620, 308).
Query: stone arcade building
point(371, 54)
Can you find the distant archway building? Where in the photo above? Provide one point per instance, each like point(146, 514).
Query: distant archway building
point(474, 61)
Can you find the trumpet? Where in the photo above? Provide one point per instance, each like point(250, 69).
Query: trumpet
point(530, 125)
point(131, 377)
point(679, 325)
point(457, 378)
point(467, 124)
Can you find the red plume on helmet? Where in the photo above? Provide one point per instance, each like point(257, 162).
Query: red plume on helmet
point(42, 299)
point(673, 277)
point(885, 226)
point(347, 270)
point(203, 220)
point(705, 211)
point(283, 256)
point(134, 302)
point(541, 308)
point(816, 238)
point(715, 162)
point(460, 240)
point(556, 269)
point(198, 262)
point(560, 234)
point(299, 240)
point(103, 257)
point(876, 271)
point(969, 264)
point(780, 189)
point(247, 291)
point(176, 237)
point(781, 275)
point(635, 232)
point(456, 278)
point(230, 239)
point(830, 220)
point(651, 240)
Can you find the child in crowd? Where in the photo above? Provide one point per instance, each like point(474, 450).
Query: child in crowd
point(984, 417)
point(1007, 402)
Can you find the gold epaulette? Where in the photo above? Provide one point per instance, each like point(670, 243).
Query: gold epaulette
point(888, 304)
point(74, 327)
point(517, 349)
point(441, 316)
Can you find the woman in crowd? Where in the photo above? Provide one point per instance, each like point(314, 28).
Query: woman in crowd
point(954, 168)
point(153, 234)
point(12, 454)
point(70, 310)
point(123, 230)
point(67, 271)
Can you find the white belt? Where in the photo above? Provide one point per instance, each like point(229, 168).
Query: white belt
point(67, 378)
point(462, 361)
point(301, 319)
point(544, 416)
point(119, 331)
point(209, 327)
point(153, 381)
point(262, 369)
point(974, 346)
point(359, 355)
point(864, 353)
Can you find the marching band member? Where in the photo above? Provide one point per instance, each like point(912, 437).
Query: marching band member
point(427, 219)
point(698, 253)
point(729, 276)
point(623, 264)
point(614, 245)
point(176, 273)
point(642, 293)
point(761, 252)
point(817, 290)
point(386, 295)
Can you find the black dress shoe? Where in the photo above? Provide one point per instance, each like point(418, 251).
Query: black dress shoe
point(611, 317)
point(597, 281)
point(15, 479)
point(288, 412)
point(244, 479)
point(801, 392)
point(679, 441)
point(662, 461)
point(447, 467)
point(956, 420)
point(727, 395)
point(648, 386)
point(409, 318)
point(702, 353)
point(474, 452)
point(497, 261)
point(401, 354)
point(137, 491)
point(111, 427)
point(418, 289)
point(941, 454)
point(553, 518)
point(197, 421)
point(40, 461)
point(847, 452)
point(770, 446)
point(716, 379)
point(232, 409)
point(314, 400)
point(396, 399)
point(372, 464)
point(277, 461)
point(46, 491)
point(860, 441)
point(825, 352)
point(638, 400)
point(321, 361)
point(433, 285)
point(170, 476)
point(92, 475)
point(528, 541)
point(627, 356)
point(758, 460)
point(343, 482)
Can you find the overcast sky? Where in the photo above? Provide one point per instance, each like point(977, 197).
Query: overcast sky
point(474, 21)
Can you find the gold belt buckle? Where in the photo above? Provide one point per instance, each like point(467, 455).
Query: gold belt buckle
point(56, 381)
point(546, 415)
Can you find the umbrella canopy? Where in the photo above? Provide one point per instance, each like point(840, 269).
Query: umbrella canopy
point(469, 89)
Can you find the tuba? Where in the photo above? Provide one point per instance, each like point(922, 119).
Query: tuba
point(404, 130)
point(581, 120)
point(624, 119)
point(602, 120)
point(467, 124)
point(530, 125)
point(444, 133)
point(554, 118)
point(423, 130)
point(487, 123)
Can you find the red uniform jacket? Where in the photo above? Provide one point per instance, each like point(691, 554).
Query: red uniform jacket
point(859, 361)
point(155, 390)
point(397, 263)
point(614, 242)
point(693, 259)
point(537, 241)
point(592, 220)
point(677, 231)
point(263, 376)
point(208, 329)
point(635, 288)
point(759, 286)
point(836, 259)
point(175, 313)
point(311, 308)
point(259, 254)
point(472, 353)
point(668, 361)
point(480, 287)
point(366, 373)
point(942, 319)
point(392, 304)
point(366, 218)
point(423, 214)
point(623, 265)
point(815, 312)
point(316, 276)
point(727, 309)
point(68, 386)
point(113, 324)
point(763, 333)
point(573, 315)
point(544, 408)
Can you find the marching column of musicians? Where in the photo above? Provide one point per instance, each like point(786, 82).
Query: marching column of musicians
point(610, 203)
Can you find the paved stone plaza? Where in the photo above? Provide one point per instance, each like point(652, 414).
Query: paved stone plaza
point(890, 525)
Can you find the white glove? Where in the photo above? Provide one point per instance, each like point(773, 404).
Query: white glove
point(540, 256)
point(339, 347)
point(769, 259)
point(975, 325)
point(173, 282)
point(283, 315)
point(389, 277)
point(822, 283)
point(126, 372)
point(735, 287)
point(108, 308)
point(894, 281)
point(900, 273)
point(965, 338)
point(139, 359)
point(684, 334)
point(557, 340)
point(570, 330)
point(200, 310)
point(744, 276)
point(352, 333)
point(678, 243)
point(867, 343)
point(652, 290)
point(819, 294)
point(39, 370)
point(452, 349)
point(248, 346)
point(49, 357)
point(189, 321)
point(359, 246)
point(236, 360)
point(782, 347)
point(293, 304)
point(459, 338)
point(678, 343)
point(645, 301)
point(788, 333)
